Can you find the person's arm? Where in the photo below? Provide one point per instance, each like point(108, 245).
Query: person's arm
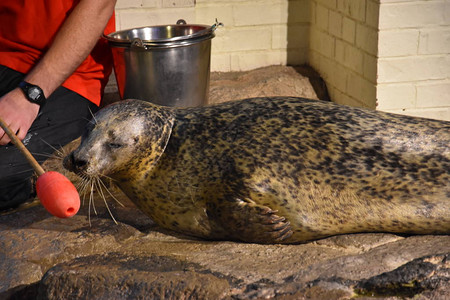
point(72, 44)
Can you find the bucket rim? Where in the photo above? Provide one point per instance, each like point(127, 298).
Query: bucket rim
point(204, 30)
point(138, 44)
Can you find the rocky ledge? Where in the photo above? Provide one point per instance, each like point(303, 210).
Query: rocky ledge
point(91, 257)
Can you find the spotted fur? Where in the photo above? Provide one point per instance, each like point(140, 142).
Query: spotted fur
point(274, 170)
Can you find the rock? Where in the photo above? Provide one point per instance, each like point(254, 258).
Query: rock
point(91, 257)
point(119, 276)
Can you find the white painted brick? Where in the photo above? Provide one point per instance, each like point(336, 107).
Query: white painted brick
point(151, 3)
point(220, 62)
point(143, 17)
point(345, 99)
point(220, 42)
point(367, 39)
point(313, 13)
point(361, 89)
point(260, 14)
point(339, 77)
point(401, 42)
point(349, 30)
point(326, 68)
point(297, 56)
point(339, 51)
point(393, 1)
point(354, 59)
point(441, 113)
point(299, 11)
point(413, 68)
point(122, 4)
point(355, 9)
point(292, 36)
point(244, 39)
point(396, 96)
point(433, 94)
point(369, 94)
point(447, 12)
point(322, 42)
point(280, 36)
point(370, 67)
point(333, 92)
point(208, 15)
point(412, 14)
point(314, 59)
point(314, 39)
point(328, 3)
point(326, 44)
point(322, 17)
point(372, 13)
point(253, 59)
point(178, 3)
point(335, 23)
point(435, 41)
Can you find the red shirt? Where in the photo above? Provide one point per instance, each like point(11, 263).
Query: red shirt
point(27, 28)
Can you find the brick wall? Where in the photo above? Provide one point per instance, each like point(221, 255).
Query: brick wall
point(392, 55)
point(257, 33)
point(343, 48)
point(414, 58)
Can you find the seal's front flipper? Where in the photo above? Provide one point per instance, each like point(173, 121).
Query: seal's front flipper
point(247, 221)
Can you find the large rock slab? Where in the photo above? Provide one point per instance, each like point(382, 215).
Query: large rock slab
point(50, 258)
point(91, 257)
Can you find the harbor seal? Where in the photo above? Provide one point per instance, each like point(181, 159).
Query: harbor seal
point(273, 170)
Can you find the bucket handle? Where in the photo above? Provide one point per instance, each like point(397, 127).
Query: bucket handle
point(137, 43)
point(216, 25)
point(201, 32)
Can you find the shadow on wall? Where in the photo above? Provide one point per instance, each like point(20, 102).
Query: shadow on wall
point(298, 26)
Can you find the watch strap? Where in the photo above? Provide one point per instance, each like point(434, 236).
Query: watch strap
point(33, 93)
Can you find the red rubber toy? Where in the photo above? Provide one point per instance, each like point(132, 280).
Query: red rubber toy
point(57, 194)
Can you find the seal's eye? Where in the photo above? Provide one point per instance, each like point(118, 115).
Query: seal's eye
point(115, 145)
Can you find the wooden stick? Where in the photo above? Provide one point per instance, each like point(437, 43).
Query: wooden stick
point(36, 166)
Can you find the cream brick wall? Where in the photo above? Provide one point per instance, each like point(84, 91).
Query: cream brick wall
point(414, 58)
point(343, 48)
point(257, 33)
point(392, 55)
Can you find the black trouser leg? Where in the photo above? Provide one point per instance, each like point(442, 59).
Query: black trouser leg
point(60, 121)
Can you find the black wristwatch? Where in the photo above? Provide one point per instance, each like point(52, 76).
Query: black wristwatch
point(33, 93)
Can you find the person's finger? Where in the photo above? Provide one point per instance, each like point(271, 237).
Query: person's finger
point(4, 138)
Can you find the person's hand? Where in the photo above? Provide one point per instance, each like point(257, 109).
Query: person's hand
point(18, 113)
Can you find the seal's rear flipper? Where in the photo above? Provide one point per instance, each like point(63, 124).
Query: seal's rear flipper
point(247, 221)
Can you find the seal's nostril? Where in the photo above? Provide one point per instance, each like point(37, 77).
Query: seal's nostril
point(73, 164)
point(79, 163)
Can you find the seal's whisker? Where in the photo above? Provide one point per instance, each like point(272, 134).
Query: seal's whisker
point(109, 192)
point(99, 187)
point(92, 197)
point(47, 155)
point(91, 202)
point(107, 177)
point(83, 185)
point(24, 171)
point(59, 151)
point(94, 120)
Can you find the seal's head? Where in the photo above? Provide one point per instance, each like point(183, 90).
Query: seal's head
point(124, 136)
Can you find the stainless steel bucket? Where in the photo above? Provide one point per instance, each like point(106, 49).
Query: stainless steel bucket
point(167, 65)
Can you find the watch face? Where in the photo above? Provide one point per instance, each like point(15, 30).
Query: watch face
point(34, 93)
